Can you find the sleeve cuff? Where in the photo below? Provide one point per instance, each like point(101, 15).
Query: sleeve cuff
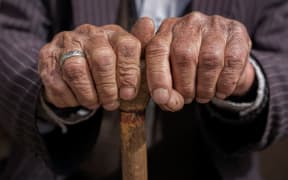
point(60, 117)
point(244, 108)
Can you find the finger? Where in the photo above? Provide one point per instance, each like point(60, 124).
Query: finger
point(211, 60)
point(102, 62)
point(56, 91)
point(76, 73)
point(184, 57)
point(175, 103)
point(236, 57)
point(128, 51)
point(158, 67)
point(144, 30)
point(246, 80)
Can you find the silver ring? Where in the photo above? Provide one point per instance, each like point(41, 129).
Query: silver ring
point(75, 53)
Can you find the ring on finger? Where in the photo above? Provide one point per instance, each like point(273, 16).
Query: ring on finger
point(70, 54)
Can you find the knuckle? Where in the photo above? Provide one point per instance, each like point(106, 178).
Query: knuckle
point(103, 57)
point(102, 52)
point(167, 25)
point(74, 72)
point(217, 19)
point(69, 39)
point(211, 60)
point(157, 47)
point(219, 23)
point(234, 61)
point(195, 17)
point(237, 27)
point(86, 29)
point(46, 52)
point(128, 76)
point(184, 56)
point(113, 27)
point(66, 36)
point(128, 47)
point(166, 21)
point(116, 26)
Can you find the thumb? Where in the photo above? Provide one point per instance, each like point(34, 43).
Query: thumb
point(143, 30)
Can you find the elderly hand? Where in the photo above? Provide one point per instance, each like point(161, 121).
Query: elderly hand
point(109, 69)
point(198, 56)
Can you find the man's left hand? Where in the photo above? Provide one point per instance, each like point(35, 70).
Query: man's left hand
point(198, 57)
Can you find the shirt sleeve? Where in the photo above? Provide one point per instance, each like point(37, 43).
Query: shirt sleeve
point(52, 116)
point(242, 106)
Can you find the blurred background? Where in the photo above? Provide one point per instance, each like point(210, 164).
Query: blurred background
point(273, 161)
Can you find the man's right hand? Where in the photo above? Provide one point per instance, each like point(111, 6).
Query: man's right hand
point(110, 69)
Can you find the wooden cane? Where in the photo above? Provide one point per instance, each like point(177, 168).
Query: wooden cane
point(133, 135)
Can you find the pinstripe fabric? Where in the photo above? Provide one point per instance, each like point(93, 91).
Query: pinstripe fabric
point(272, 53)
point(96, 12)
point(26, 25)
point(20, 83)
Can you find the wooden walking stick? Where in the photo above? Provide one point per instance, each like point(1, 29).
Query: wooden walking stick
point(132, 127)
point(133, 136)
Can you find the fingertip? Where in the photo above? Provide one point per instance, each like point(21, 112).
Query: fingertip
point(160, 96)
point(175, 103)
point(112, 106)
point(202, 101)
point(220, 95)
point(127, 93)
point(188, 100)
point(144, 23)
point(144, 30)
point(94, 107)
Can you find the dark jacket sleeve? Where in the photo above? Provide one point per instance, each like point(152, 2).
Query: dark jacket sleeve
point(25, 28)
point(260, 128)
point(271, 51)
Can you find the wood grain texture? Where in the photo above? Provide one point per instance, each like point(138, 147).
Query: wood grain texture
point(133, 135)
point(133, 146)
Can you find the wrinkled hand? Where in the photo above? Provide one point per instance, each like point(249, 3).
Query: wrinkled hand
point(110, 69)
point(198, 56)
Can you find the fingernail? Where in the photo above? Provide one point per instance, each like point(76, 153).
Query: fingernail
point(202, 101)
point(112, 106)
point(160, 96)
point(127, 93)
point(220, 95)
point(188, 100)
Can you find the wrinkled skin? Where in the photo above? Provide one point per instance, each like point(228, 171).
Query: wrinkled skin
point(195, 57)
